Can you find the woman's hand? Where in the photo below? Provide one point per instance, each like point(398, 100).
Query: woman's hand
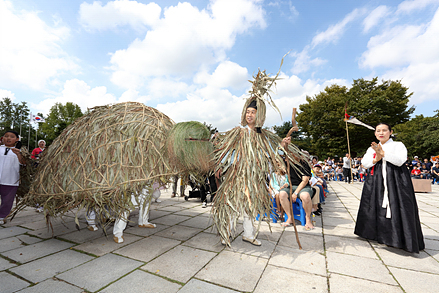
point(378, 151)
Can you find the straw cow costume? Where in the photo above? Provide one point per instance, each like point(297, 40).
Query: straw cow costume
point(106, 161)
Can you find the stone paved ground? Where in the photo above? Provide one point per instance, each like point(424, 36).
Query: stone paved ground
point(183, 254)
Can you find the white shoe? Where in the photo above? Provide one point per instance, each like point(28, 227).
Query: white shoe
point(158, 200)
point(92, 227)
point(253, 241)
point(204, 204)
point(148, 225)
point(2, 222)
point(118, 239)
point(39, 210)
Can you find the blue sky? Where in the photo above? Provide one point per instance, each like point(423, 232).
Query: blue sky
point(192, 60)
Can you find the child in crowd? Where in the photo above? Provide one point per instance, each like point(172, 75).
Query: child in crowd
point(278, 181)
point(361, 173)
point(416, 172)
point(339, 173)
point(10, 160)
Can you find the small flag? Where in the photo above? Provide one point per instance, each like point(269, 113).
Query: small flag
point(37, 119)
point(352, 119)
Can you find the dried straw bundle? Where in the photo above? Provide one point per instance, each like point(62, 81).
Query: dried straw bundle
point(100, 159)
point(189, 149)
point(245, 159)
point(27, 172)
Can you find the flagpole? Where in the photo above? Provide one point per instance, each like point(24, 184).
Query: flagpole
point(349, 151)
point(28, 139)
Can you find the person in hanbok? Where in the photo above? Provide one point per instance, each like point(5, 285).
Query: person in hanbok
point(388, 210)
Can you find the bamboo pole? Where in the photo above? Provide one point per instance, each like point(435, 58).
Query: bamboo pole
point(349, 151)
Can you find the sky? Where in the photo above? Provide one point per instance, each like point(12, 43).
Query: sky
point(193, 60)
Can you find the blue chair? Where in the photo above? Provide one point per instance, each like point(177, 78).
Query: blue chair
point(298, 212)
point(274, 217)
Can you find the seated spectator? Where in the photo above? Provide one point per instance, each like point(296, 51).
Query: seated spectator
point(278, 181)
point(415, 161)
point(355, 173)
point(329, 161)
point(339, 173)
point(416, 173)
point(425, 172)
point(435, 173)
point(428, 165)
point(328, 172)
point(362, 173)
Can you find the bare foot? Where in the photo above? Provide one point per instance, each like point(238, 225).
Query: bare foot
point(308, 226)
point(288, 223)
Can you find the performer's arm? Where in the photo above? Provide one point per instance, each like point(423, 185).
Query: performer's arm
point(397, 155)
point(367, 160)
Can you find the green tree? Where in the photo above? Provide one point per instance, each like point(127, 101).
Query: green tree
point(321, 118)
point(60, 116)
point(297, 137)
point(15, 116)
point(420, 135)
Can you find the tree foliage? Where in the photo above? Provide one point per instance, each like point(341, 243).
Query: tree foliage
point(15, 116)
point(321, 118)
point(420, 135)
point(300, 140)
point(60, 116)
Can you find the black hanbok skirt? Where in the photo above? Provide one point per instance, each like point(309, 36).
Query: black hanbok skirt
point(403, 229)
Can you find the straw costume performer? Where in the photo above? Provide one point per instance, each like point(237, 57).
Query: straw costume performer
point(244, 156)
point(102, 160)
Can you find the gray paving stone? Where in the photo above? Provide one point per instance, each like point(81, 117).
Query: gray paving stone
point(85, 235)
point(10, 243)
point(308, 241)
point(99, 272)
point(339, 222)
point(5, 264)
point(414, 282)
point(30, 252)
point(360, 267)
point(180, 263)
point(171, 220)
point(281, 280)
point(198, 222)
point(345, 284)
point(10, 283)
point(179, 232)
point(52, 285)
point(399, 258)
point(58, 229)
point(206, 241)
point(301, 230)
point(301, 260)
point(174, 208)
point(431, 244)
point(142, 282)
point(145, 231)
point(105, 245)
point(148, 248)
point(233, 270)
point(339, 231)
point(46, 267)
point(187, 212)
point(17, 241)
point(265, 250)
point(11, 231)
point(197, 286)
point(359, 247)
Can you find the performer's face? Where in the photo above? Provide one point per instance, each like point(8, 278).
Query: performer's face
point(382, 133)
point(250, 116)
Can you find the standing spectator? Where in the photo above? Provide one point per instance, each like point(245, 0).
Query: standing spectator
point(329, 161)
point(428, 165)
point(347, 163)
point(435, 173)
point(415, 161)
point(10, 160)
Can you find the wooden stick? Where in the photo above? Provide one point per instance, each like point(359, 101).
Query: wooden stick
point(293, 121)
point(291, 206)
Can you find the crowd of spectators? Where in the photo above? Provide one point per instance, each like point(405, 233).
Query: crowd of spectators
point(424, 169)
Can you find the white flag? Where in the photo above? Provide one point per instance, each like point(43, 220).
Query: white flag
point(352, 119)
point(37, 119)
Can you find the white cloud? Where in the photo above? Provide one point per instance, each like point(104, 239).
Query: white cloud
point(6, 94)
point(375, 17)
point(409, 53)
point(304, 62)
point(334, 32)
point(222, 109)
point(118, 13)
point(185, 41)
point(31, 53)
point(409, 6)
point(80, 93)
point(227, 74)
